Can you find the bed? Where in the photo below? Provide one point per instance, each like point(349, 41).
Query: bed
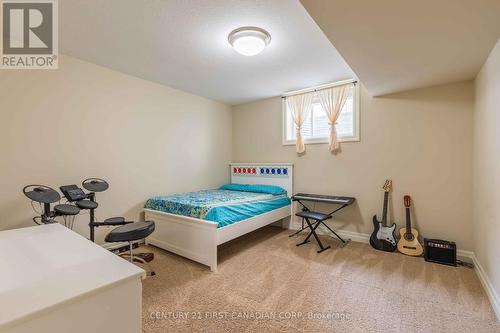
point(193, 224)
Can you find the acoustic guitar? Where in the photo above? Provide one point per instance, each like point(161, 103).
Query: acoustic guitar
point(383, 237)
point(409, 244)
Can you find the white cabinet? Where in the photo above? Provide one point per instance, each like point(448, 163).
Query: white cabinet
point(54, 280)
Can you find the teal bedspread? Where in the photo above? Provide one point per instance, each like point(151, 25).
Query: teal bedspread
point(222, 206)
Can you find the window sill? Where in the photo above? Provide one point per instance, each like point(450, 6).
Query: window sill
point(319, 141)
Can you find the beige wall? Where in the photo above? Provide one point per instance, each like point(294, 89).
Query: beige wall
point(60, 127)
point(487, 168)
point(421, 139)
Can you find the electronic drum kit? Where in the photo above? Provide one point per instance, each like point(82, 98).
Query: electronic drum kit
point(46, 196)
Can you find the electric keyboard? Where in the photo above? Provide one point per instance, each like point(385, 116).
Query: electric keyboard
point(314, 219)
point(323, 198)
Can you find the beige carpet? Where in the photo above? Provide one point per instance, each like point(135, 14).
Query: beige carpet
point(264, 281)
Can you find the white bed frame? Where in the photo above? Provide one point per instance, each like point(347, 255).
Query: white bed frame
point(198, 239)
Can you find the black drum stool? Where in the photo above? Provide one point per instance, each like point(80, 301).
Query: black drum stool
point(130, 233)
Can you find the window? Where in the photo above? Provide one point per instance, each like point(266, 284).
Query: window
point(316, 128)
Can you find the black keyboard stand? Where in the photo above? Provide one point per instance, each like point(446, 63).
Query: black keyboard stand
point(315, 219)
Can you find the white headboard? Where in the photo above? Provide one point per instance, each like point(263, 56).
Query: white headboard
point(279, 174)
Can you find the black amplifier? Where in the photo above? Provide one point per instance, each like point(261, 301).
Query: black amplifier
point(440, 251)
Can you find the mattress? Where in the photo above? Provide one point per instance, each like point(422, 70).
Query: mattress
point(222, 206)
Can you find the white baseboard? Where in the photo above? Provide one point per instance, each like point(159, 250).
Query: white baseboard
point(487, 285)
point(352, 235)
point(365, 238)
point(464, 255)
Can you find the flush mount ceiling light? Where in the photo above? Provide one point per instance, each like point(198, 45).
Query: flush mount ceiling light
point(249, 41)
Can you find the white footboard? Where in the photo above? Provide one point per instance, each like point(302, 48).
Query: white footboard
point(188, 237)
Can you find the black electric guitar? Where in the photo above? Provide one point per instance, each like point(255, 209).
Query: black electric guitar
point(383, 238)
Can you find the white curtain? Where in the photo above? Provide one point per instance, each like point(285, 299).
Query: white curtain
point(299, 106)
point(332, 101)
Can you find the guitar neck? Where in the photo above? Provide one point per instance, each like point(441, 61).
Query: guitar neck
point(408, 221)
point(384, 213)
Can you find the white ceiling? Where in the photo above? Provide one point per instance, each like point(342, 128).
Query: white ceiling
point(183, 44)
point(396, 45)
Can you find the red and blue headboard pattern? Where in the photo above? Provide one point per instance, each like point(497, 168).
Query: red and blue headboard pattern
point(264, 171)
point(277, 174)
